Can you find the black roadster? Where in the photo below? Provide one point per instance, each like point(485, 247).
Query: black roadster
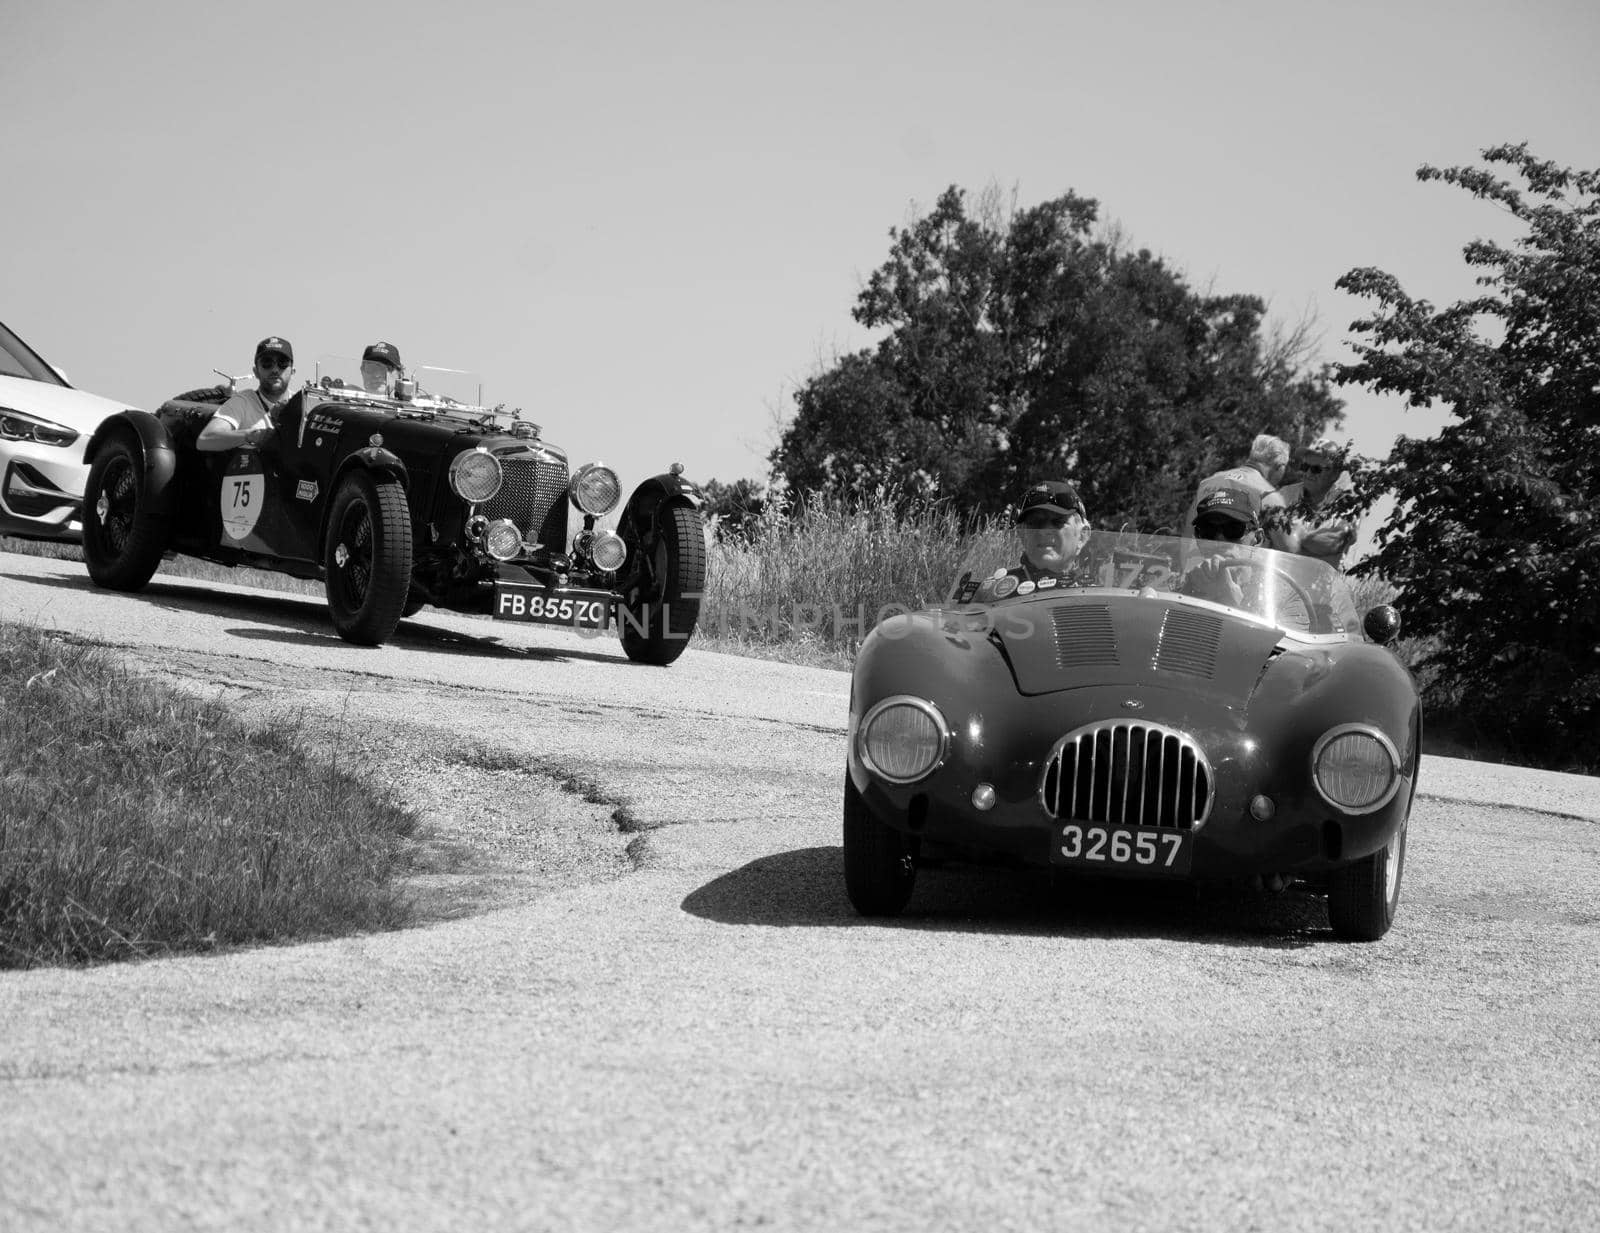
point(1173, 710)
point(397, 501)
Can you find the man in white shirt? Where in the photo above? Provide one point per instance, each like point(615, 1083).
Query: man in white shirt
point(246, 418)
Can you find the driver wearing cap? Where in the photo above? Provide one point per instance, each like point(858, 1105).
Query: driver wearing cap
point(380, 366)
point(1052, 526)
point(246, 418)
point(1222, 516)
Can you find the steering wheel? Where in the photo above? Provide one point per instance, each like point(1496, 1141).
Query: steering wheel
point(1261, 570)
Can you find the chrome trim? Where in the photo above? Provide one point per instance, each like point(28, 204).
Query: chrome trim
point(1333, 734)
point(922, 704)
point(578, 477)
point(1181, 802)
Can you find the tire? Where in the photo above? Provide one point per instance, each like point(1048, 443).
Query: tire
point(656, 631)
point(879, 862)
point(1363, 897)
point(367, 556)
point(211, 393)
point(414, 604)
point(125, 525)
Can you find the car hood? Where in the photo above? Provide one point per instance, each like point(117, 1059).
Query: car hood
point(1120, 639)
point(75, 409)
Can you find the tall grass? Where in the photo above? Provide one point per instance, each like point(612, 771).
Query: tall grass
point(135, 819)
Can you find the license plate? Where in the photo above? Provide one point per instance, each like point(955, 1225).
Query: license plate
point(514, 601)
point(1125, 849)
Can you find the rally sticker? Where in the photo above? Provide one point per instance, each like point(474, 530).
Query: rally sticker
point(306, 490)
point(1004, 587)
point(243, 489)
point(1025, 587)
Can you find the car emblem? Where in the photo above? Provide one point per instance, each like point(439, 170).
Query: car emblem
point(375, 439)
point(1132, 704)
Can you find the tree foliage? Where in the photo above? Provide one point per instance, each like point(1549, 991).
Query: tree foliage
point(731, 508)
point(1024, 344)
point(1495, 538)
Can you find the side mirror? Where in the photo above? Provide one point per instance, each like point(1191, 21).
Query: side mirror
point(1382, 624)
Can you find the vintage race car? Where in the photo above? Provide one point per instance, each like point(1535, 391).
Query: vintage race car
point(1176, 710)
point(396, 501)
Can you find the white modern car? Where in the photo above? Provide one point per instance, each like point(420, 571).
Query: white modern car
point(44, 426)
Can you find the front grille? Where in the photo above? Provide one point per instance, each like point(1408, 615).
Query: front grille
point(534, 496)
point(1127, 774)
point(1085, 637)
point(1189, 642)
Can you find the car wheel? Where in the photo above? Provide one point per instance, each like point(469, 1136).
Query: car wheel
point(656, 631)
point(414, 605)
point(1363, 897)
point(879, 862)
point(367, 557)
point(125, 525)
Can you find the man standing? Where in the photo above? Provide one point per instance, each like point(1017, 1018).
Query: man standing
point(380, 365)
point(246, 418)
point(1311, 499)
point(1259, 474)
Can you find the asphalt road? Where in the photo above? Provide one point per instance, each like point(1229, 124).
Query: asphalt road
point(653, 1008)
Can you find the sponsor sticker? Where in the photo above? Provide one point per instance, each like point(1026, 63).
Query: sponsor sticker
point(1025, 587)
point(306, 490)
point(1004, 586)
point(244, 486)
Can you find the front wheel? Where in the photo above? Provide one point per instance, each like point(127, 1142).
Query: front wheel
point(879, 862)
point(656, 628)
point(1363, 897)
point(367, 556)
point(125, 523)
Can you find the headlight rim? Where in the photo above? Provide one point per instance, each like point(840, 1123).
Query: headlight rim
point(464, 459)
point(576, 483)
point(941, 726)
point(1388, 746)
point(489, 534)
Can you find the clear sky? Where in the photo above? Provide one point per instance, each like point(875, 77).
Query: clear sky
point(645, 223)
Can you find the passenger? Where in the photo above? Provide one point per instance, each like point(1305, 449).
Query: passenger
point(380, 367)
point(1052, 526)
point(1310, 501)
point(246, 418)
point(1259, 474)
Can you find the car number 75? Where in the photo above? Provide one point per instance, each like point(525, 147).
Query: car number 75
point(1114, 846)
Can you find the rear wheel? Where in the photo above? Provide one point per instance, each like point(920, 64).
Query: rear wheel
point(1363, 897)
point(879, 862)
point(367, 557)
point(125, 524)
point(656, 630)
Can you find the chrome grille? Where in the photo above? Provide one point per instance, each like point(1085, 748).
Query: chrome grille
point(1127, 774)
point(534, 496)
point(1189, 642)
point(1084, 636)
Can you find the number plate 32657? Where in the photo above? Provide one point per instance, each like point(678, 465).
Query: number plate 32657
point(1123, 849)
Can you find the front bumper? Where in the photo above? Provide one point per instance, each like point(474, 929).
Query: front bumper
point(41, 491)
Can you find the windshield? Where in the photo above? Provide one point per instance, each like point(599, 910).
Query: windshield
point(17, 359)
point(1295, 593)
point(432, 385)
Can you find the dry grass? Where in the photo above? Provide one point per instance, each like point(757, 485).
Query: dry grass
point(135, 819)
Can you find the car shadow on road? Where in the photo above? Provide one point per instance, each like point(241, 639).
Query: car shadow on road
point(303, 621)
point(805, 888)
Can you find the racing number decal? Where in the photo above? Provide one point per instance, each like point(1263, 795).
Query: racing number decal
point(244, 488)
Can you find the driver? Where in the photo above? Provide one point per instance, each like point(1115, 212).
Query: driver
point(246, 418)
point(380, 367)
point(1052, 526)
point(1223, 516)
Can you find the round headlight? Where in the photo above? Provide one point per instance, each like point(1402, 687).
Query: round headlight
point(608, 551)
point(595, 489)
point(1355, 768)
point(502, 540)
point(903, 738)
point(475, 475)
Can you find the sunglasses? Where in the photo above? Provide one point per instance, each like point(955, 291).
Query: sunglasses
point(1233, 532)
point(1313, 468)
point(274, 361)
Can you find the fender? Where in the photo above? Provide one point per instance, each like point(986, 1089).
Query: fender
point(372, 458)
point(650, 498)
point(153, 440)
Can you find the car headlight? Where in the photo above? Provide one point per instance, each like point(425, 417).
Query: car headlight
point(475, 475)
point(1355, 768)
point(502, 540)
point(607, 550)
point(903, 738)
point(19, 426)
point(595, 489)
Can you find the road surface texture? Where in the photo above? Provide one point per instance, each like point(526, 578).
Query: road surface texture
point(644, 1002)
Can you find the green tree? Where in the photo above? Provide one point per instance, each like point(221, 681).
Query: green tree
point(1495, 540)
point(1021, 344)
point(733, 505)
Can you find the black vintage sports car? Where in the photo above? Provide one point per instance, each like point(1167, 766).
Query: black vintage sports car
point(1178, 710)
point(397, 501)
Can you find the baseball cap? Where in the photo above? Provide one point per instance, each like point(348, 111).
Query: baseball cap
point(276, 345)
point(1055, 496)
point(384, 353)
point(1239, 504)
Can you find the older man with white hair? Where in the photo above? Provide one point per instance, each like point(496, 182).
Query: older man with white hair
point(1259, 474)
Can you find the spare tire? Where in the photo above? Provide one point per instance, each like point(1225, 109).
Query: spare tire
point(212, 393)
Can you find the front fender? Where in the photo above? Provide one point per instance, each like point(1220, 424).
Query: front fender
point(151, 437)
point(650, 499)
point(373, 458)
